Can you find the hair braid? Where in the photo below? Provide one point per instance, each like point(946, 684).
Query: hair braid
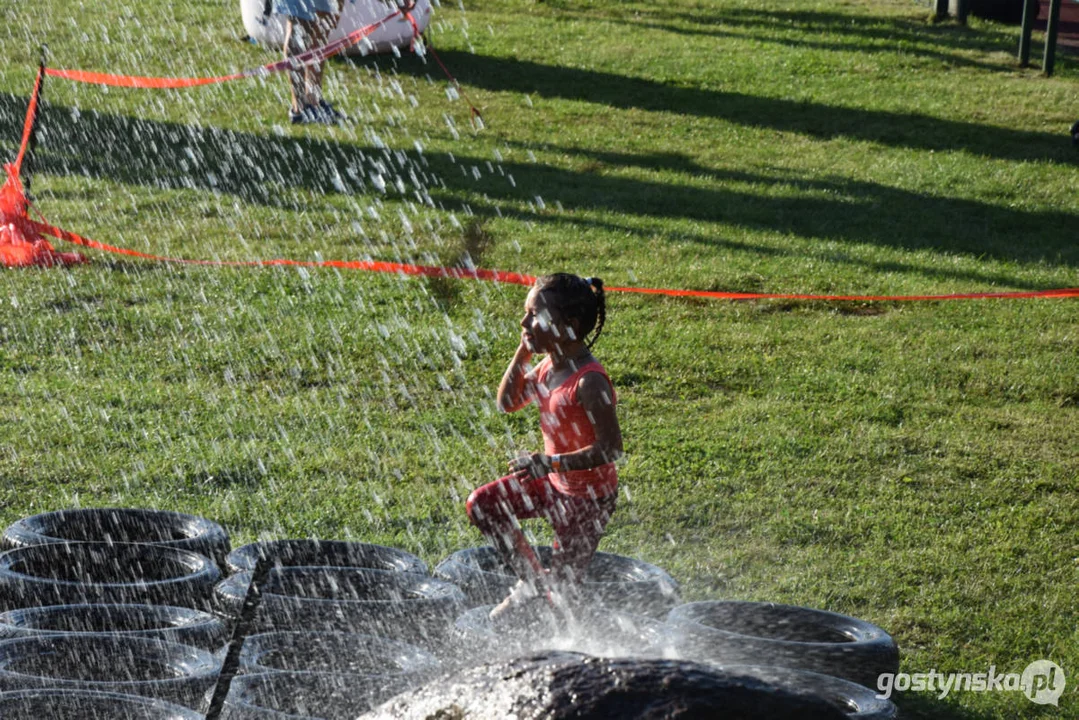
point(601, 308)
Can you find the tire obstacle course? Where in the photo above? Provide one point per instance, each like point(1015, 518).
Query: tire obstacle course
point(125, 613)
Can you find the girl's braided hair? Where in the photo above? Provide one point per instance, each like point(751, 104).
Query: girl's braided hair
point(577, 298)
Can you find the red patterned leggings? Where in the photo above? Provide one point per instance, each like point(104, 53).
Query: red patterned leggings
point(578, 523)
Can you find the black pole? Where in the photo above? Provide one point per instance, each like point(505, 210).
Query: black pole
point(942, 10)
point(28, 161)
point(1030, 14)
point(252, 598)
point(1051, 38)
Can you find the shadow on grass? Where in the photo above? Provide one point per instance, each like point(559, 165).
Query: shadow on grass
point(845, 33)
point(263, 169)
point(909, 130)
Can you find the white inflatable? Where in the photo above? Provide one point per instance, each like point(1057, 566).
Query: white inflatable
point(269, 30)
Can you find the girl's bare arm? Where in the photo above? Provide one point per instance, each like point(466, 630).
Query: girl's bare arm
point(513, 391)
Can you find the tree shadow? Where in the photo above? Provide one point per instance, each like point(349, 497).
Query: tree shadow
point(262, 169)
point(853, 33)
point(824, 122)
point(930, 269)
point(830, 208)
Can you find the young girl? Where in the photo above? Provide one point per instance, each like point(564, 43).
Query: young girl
point(572, 483)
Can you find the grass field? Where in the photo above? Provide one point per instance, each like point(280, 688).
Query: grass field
point(912, 464)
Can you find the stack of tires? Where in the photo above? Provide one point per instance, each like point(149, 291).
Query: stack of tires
point(124, 613)
point(339, 627)
point(107, 613)
point(836, 657)
point(630, 608)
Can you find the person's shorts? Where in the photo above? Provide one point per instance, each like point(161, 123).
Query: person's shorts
point(304, 9)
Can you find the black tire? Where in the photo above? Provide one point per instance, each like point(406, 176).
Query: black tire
point(87, 572)
point(612, 581)
point(291, 696)
point(756, 633)
point(186, 626)
point(335, 553)
point(122, 525)
point(595, 631)
point(858, 702)
point(53, 704)
point(337, 653)
point(396, 605)
point(135, 666)
point(564, 685)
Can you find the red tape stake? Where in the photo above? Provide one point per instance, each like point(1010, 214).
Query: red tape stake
point(514, 278)
point(28, 124)
point(309, 57)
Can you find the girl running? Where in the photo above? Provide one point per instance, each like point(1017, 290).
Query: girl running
point(573, 483)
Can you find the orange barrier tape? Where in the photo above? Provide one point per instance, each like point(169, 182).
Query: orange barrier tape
point(134, 81)
point(305, 58)
point(514, 278)
point(379, 266)
point(1058, 293)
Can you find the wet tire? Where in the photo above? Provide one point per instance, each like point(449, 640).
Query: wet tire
point(400, 606)
point(337, 653)
point(122, 525)
point(53, 704)
point(613, 581)
point(161, 622)
point(135, 666)
point(595, 631)
point(560, 686)
point(333, 553)
point(292, 696)
point(87, 572)
point(755, 633)
point(856, 701)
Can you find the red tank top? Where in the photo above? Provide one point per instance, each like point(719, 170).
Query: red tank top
point(566, 428)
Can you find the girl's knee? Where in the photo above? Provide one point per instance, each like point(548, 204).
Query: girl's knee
point(472, 507)
point(482, 507)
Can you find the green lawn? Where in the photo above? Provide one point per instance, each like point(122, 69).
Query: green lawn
point(912, 464)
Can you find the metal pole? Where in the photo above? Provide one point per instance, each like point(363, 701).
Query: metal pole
point(941, 11)
point(1051, 37)
point(242, 629)
point(1030, 14)
point(28, 162)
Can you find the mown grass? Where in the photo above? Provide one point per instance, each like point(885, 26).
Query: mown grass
point(913, 464)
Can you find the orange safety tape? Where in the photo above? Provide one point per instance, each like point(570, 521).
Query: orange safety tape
point(1056, 293)
point(305, 58)
point(380, 266)
point(514, 278)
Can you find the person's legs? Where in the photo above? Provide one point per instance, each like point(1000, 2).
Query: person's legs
point(578, 523)
point(496, 508)
point(295, 43)
point(320, 30)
